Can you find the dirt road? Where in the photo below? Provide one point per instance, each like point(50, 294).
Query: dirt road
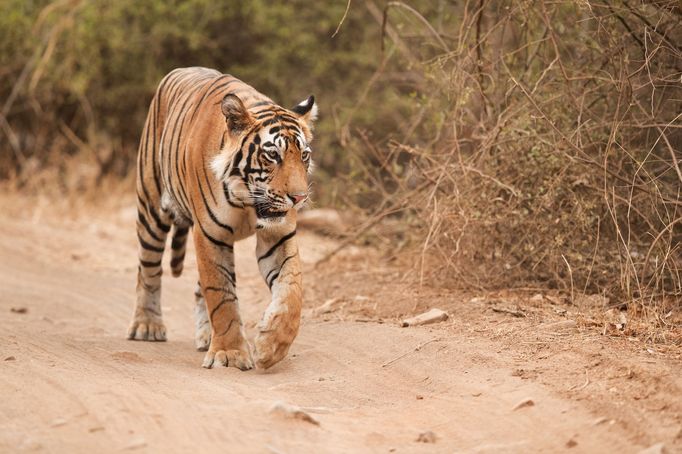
point(70, 382)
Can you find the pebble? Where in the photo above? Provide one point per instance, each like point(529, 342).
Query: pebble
point(293, 412)
point(328, 306)
point(432, 316)
point(427, 437)
point(658, 448)
point(58, 422)
point(135, 444)
point(524, 404)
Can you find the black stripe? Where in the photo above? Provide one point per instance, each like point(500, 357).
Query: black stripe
point(179, 239)
point(147, 246)
point(175, 146)
point(184, 163)
point(247, 163)
point(231, 276)
point(278, 244)
point(209, 92)
point(159, 223)
point(140, 169)
point(227, 329)
point(247, 166)
point(261, 103)
point(215, 309)
point(155, 164)
point(234, 205)
point(147, 227)
point(235, 171)
point(152, 310)
point(226, 192)
point(177, 260)
point(223, 301)
point(145, 132)
point(208, 183)
point(157, 99)
point(225, 85)
point(269, 280)
point(181, 112)
point(208, 209)
point(273, 280)
point(272, 110)
point(214, 240)
point(146, 264)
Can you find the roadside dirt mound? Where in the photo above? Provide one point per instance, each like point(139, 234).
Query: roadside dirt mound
point(482, 381)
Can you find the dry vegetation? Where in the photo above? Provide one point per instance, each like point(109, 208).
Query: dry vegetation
point(492, 145)
point(544, 151)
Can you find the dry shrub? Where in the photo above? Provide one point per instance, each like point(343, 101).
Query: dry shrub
point(542, 150)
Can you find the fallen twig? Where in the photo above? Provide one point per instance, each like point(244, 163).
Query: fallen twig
point(416, 349)
point(513, 312)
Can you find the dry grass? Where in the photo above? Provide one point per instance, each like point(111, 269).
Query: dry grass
point(543, 152)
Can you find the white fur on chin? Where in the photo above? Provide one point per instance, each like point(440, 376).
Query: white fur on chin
point(269, 223)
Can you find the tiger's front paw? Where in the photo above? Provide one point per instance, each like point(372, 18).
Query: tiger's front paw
point(147, 329)
point(270, 350)
point(228, 358)
point(275, 336)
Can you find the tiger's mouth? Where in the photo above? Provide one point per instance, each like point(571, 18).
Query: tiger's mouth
point(268, 218)
point(266, 213)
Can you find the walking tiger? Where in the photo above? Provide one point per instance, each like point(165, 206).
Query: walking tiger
point(222, 161)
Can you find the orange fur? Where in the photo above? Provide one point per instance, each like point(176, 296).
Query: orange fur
point(220, 158)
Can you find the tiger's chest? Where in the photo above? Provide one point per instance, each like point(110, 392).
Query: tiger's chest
point(244, 222)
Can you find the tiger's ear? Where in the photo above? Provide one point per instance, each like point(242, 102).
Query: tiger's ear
point(306, 110)
point(237, 116)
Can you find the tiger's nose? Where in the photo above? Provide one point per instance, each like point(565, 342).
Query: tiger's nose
point(298, 197)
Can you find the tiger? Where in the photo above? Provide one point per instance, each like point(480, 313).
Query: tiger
point(221, 161)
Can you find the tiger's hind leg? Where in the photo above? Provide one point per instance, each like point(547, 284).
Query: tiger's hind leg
point(152, 229)
point(202, 331)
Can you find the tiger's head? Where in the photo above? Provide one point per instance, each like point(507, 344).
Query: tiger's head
point(270, 156)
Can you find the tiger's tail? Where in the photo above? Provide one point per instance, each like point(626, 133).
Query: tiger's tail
point(178, 246)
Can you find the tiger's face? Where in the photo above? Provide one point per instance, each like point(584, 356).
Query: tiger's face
point(270, 169)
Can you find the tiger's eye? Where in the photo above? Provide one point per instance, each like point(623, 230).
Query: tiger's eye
point(272, 154)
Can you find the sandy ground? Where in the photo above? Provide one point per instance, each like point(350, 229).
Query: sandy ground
point(70, 382)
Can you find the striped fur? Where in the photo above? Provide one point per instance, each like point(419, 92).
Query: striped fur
point(221, 161)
